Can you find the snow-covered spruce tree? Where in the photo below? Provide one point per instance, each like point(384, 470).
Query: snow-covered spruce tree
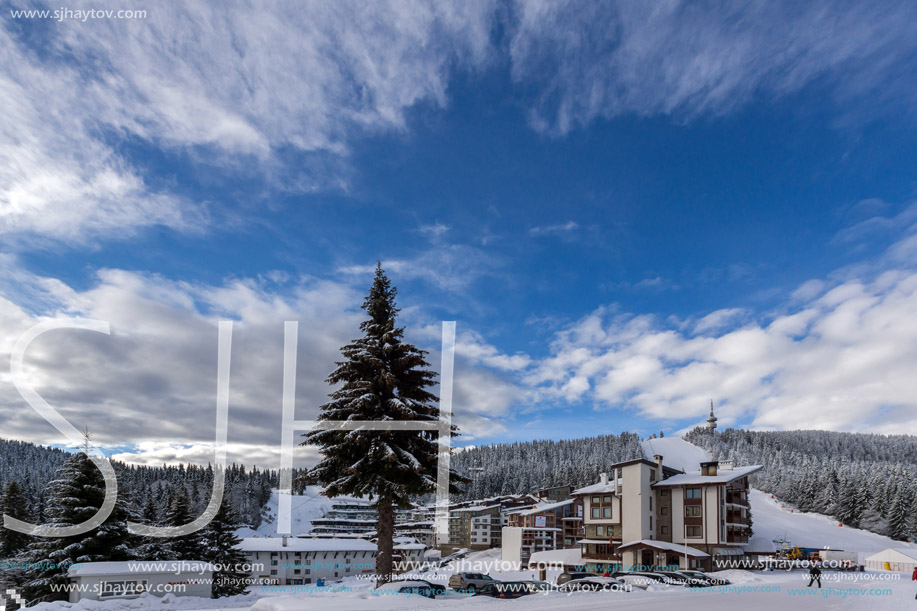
point(74, 497)
point(381, 378)
point(219, 547)
point(899, 527)
point(179, 513)
point(13, 504)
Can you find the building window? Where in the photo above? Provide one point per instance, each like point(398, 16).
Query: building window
point(607, 499)
point(663, 530)
point(692, 511)
point(652, 475)
point(595, 512)
point(664, 492)
point(692, 493)
point(664, 511)
point(651, 522)
point(693, 532)
point(651, 503)
point(596, 499)
point(599, 531)
point(606, 512)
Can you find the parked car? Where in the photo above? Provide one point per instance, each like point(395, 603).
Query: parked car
point(504, 589)
point(451, 557)
point(538, 587)
point(642, 579)
point(565, 577)
point(470, 581)
point(679, 578)
point(717, 581)
point(592, 583)
point(415, 587)
point(437, 588)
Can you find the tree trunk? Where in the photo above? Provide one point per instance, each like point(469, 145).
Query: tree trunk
point(384, 532)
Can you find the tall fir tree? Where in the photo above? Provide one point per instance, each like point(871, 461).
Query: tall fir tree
point(381, 378)
point(74, 497)
point(179, 513)
point(13, 504)
point(220, 548)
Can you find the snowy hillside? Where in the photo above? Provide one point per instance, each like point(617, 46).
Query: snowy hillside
point(773, 519)
point(305, 508)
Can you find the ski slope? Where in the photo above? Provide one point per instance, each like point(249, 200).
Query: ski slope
point(773, 519)
point(305, 508)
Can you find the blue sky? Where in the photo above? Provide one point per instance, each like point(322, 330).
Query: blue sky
point(629, 211)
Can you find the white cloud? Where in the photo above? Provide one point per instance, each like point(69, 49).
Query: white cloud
point(224, 84)
point(718, 319)
point(549, 229)
point(588, 60)
point(839, 362)
point(151, 385)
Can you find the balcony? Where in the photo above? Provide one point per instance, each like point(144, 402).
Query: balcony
point(736, 518)
point(736, 498)
point(734, 537)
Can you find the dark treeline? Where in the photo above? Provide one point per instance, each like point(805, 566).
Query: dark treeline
point(526, 466)
point(33, 467)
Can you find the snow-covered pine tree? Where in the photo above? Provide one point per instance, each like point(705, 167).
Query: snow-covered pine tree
point(899, 526)
point(185, 547)
point(13, 504)
point(74, 497)
point(381, 378)
point(219, 547)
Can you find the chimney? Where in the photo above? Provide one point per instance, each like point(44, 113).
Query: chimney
point(708, 468)
point(284, 541)
point(603, 478)
point(658, 459)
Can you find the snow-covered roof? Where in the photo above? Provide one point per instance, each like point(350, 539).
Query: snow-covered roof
point(542, 507)
point(887, 554)
point(675, 452)
point(297, 544)
point(140, 567)
point(476, 508)
point(594, 541)
point(668, 547)
point(695, 478)
point(599, 488)
point(567, 557)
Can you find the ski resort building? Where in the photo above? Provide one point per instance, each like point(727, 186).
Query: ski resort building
point(124, 580)
point(478, 525)
point(534, 529)
point(647, 513)
point(298, 561)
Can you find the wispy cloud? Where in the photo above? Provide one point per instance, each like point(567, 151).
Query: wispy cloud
point(562, 228)
point(588, 60)
point(224, 84)
point(434, 230)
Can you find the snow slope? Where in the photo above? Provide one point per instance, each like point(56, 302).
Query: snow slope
point(772, 519)
point(305, 508)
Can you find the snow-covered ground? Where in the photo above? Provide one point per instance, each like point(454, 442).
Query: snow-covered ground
point(773, 519)
point(749, 591)
point(305, 508)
